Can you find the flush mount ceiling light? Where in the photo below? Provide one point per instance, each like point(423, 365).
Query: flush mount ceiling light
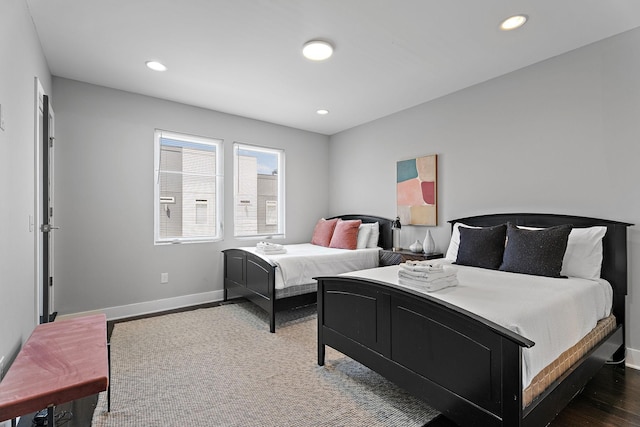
point(513, 22)
point(156, 66)
point(317, 50)
point(322, 112)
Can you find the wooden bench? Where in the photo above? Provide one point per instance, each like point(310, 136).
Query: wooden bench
point(60, 362)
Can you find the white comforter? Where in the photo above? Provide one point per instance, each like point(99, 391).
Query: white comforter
point(304, 261)
point(553, 313)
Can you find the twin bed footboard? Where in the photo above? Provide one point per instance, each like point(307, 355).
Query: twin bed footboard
point(249, 276)
point(468, 368)
point(252, 277)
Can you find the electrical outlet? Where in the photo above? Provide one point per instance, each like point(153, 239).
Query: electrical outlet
point(164, 277)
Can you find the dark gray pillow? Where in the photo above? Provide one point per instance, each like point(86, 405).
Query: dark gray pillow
point(537, 252)
point(481, 247)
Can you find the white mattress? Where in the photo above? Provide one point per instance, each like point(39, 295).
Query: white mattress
point(304, 261)
point(553, 313)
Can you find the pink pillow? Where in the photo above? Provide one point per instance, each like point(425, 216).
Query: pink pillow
point(345, 236)
point(323, 231)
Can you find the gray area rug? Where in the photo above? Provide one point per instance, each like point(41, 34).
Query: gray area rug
point(221, 367)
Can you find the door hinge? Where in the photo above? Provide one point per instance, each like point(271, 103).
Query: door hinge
point(51, 139)
point(50, 211)
point(50, 281)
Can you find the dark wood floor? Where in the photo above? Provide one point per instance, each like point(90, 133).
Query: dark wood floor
point(610, 399)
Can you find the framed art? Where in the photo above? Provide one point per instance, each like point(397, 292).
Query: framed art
point(417, 190)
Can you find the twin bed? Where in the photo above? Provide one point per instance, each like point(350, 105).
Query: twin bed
point(481, 352)
point(279, 282)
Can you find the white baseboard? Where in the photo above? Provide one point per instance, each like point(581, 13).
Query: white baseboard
point(148, 307)
point(633, 358)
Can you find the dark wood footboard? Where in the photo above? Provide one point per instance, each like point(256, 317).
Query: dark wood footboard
point(462, 365)
point(252, 277)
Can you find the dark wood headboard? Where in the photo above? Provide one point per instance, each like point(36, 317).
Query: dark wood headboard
point(614, 244)
point(386, 236)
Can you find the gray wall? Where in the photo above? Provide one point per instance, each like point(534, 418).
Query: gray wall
point(561, 136)
point(21, 60)
point(105, 256)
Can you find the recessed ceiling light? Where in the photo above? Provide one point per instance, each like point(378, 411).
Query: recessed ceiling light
point(322, 112)
point(156, 66)
point(317, 50)
point(513, 22)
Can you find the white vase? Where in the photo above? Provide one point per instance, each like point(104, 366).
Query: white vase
point(416, 246)
point(428, 246)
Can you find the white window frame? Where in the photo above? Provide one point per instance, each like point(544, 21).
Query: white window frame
point(219, 177)
point(280, 233)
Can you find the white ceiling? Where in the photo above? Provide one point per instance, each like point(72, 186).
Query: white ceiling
point(244, 56)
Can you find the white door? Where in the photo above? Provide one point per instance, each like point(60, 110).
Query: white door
point(44, 206)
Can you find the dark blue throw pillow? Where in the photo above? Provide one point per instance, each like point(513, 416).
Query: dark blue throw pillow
point(537, 252)
point(481, 247)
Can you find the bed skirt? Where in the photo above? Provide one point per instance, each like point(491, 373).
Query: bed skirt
point(290, 291)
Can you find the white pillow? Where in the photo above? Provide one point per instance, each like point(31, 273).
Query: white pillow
point(583, 257)
point(454, 244)
point(374, 235)
point(363, 236)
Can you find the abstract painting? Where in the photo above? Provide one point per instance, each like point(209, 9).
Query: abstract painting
point(417, 190)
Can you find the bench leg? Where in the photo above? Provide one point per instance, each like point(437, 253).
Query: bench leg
point(51, 418)
point(109, 385)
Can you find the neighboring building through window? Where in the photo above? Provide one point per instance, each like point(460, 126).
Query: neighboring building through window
point(188, 188)
point(258, 191)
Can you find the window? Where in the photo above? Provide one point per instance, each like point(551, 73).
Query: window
point(188, 188)
point(258, 191)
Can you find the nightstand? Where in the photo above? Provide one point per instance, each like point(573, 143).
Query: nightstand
point(390, 257)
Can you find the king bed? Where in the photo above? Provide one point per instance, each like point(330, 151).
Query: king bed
point(469, 359)
point(282, 282)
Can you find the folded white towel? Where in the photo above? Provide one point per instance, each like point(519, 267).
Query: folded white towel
point(418, 262)
point(268, 245)
point(429, 286)
point(276, 251)
point(427, 276)
point(421, 266)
